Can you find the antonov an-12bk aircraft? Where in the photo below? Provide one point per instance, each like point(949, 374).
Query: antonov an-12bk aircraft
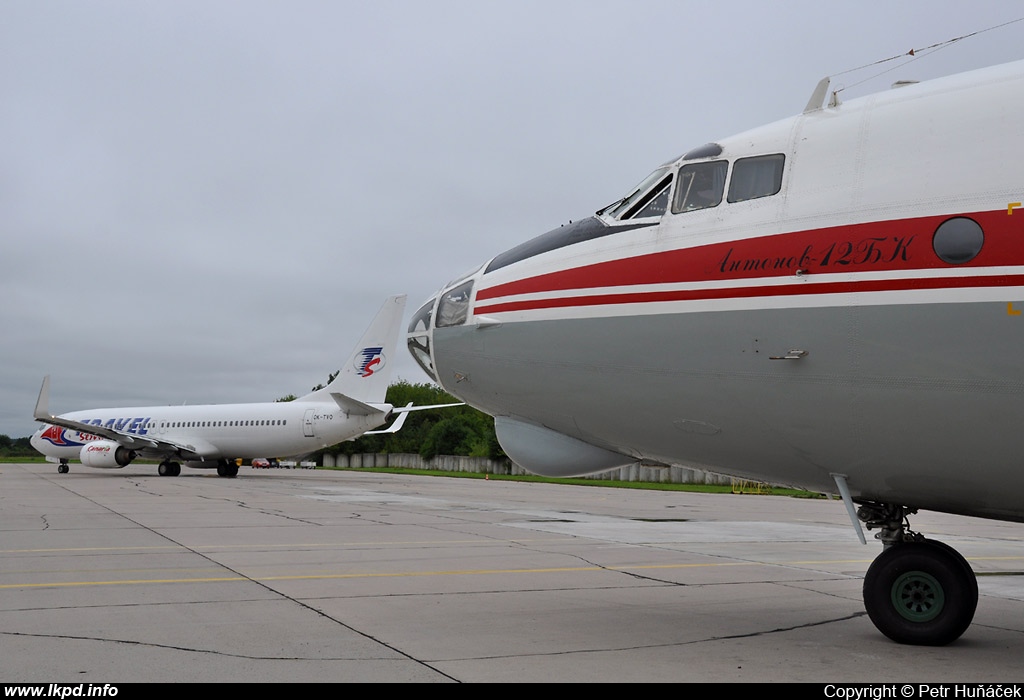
point(211, 436)
point(832, 301)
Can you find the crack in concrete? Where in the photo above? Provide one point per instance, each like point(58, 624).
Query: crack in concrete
point(197, 650)
point(665, 645)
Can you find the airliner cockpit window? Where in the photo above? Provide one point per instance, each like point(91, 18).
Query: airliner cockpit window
point(418, 338)
point(654, 203)
point(701, 186)
point(631, 203)
point(760, 176)
point(453, 306)
point(420, 322)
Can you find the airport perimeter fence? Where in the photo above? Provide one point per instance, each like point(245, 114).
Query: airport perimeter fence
point(482, 465)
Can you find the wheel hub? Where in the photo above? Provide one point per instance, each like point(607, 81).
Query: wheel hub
point(917, 596)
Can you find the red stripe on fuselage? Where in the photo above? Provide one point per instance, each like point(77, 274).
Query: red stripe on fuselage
point(899, 245)
point(802, 288)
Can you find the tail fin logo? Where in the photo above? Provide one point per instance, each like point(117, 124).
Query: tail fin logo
point(369, 360)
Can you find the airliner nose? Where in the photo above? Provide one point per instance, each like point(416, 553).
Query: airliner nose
point(447, 309)
point(418, 337)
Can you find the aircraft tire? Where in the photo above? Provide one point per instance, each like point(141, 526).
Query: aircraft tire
point(973, 591)
point(175, 469)
point(922, 593)
point(63, 469)
point(163, 469)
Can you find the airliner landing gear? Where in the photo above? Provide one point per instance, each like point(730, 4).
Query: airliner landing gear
point(917, 591)
point(228, 469)
point(63, 467)
point(169, 469)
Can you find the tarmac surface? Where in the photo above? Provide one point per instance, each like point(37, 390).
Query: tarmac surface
point(324, 576)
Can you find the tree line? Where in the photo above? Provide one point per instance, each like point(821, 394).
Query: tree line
point(16, 447)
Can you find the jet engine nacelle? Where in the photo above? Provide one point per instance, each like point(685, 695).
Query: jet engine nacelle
point(549, 453)
point(106, 454)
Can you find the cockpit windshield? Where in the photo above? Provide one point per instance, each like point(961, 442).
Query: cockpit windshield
point(644, 199)
point(418, 338)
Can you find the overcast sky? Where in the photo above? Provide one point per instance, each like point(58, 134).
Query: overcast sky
point(206, 202)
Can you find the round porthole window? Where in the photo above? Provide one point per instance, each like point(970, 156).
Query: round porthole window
point(958, 240)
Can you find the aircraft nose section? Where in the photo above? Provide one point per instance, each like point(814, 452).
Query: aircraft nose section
point(36, 441)
point(448, 309)
point(418, 337)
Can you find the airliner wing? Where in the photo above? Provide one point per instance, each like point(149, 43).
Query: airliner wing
point(130, 440)
point(43, 415)
point(410, 407)
point(135, 442)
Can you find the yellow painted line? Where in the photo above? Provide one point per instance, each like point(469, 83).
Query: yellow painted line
point(405, 574)
point(414, 574)
point(72, 584)
point(1010, 207)
point(88, 549)
point(1010, 310)
point(178, 571)
point(292, 545)
point(463, 572)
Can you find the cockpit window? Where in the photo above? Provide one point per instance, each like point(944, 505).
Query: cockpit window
point(637, 199)
point(756, 177)
point(654, 203)
point(418, 338)
point(453, 306)
point(700, 186)
point(420, 322)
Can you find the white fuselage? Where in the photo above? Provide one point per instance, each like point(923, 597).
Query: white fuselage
point(220, 431)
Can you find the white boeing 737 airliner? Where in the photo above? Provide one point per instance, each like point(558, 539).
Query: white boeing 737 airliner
point(211, 436)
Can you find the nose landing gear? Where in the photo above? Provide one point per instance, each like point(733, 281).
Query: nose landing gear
point(917, 591)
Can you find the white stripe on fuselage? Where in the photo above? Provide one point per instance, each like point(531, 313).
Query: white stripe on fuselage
point(763, 282)
point(803, 301)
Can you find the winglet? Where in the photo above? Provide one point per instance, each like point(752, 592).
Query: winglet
point(394, 427)
point(42, 412)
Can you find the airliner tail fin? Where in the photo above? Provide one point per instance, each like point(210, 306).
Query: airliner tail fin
point(367, 371)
